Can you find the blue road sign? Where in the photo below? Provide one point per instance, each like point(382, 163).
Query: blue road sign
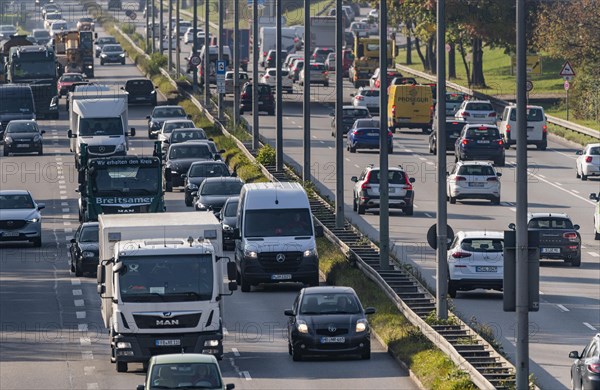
point(221, 67)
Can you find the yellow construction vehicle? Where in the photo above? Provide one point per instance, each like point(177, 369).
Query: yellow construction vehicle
point(366, 59)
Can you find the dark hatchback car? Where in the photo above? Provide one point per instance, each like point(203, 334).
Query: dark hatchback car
point(23, 136)
point(266, 101)
point(199, 171)
point(585, 370)
point(349, 115)
point(112, 54)
point(480, 142)
point(141, 91)
point(453, 129)
point(180, 157)
point(559, 237)
point(162, 113)
point(103, 41)
point(366, 136)
point(214, 192)
point(228, 218)
point(84, 249)
point(328, 320)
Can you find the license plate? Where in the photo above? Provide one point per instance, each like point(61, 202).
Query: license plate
point(486, 269)
point(167, 343)
point(281, 277)
point(483, 142)
point(22, 146)
point(475, 184)
point(479, 116)
point(331, 340)
point(550, 250)
point(140, 98)
point(392, 190)
point(372, 134)
point(10, 234)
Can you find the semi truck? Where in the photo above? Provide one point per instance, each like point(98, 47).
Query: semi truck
point(366, 59)
point(120, 185)
point(75, 51)
point(322, 31)
point(98, 118)
point(161, 284)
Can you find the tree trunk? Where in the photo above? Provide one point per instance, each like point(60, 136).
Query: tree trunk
point(452, 62)
point(408, 49)
point(477, 77)
point(463, 55)
point(420, 53)
point(431, 55)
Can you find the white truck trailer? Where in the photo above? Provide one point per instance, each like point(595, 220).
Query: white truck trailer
point(161, 281)
point(322, 32)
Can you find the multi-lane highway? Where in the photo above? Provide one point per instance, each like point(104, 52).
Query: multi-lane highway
point(570, 297)
point(52, 336)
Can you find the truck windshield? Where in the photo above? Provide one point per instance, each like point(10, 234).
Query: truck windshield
point(34, 69)
point(16, 104)
point(172, 278)
point(278, 222)
point(125, 180)
point(100, 126)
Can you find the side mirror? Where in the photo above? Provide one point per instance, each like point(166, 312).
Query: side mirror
point(132, 132)
point(234, 174)
point(579, 152)
point(217, 157)
point(211, 139)
point(576, 227)
point(499, 174)
point(352, 94)
point(101, 289)
point(447, 173)
point(288, 312)
point(593, 196)
point(574, 355)
point(512, 226)
point(229, 386)
point(319, 231)
point(70, 134)
point(194, 193)
point(189, 116)
point(96, 35)
point(411, 180)
point(100, 274)
point(140, 387)
point(231, 271)
point(72, 241)
point(147, 116)
point(221, 151)
point(354, 179)
point(332, 114)
point(123, 88)
point(43, 132)
point(41, 206)
point(370, 310)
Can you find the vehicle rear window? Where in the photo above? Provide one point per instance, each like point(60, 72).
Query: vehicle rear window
point(476, 170)
point(168, 112)
point(209, 170)
point(190, 151)
point(317, 67)
point(72, 78)
point(479, 107)
point(370, 92)
point(455, 98)
point(394, 177)
point(356, 113)
point(454, 127)
point(550, 223)
point(484, 133)
point(182, 136)
point(595, 151)
point(533, 115)
point(482, 244)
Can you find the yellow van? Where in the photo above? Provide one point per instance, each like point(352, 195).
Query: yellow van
point(410, 106)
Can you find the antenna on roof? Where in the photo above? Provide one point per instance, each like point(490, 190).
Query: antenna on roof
point(276, 199)
point(165, 236)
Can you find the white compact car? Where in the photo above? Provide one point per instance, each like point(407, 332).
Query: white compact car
point(172, 124)
point(366, 97)
point(537, 128)
point(270, 77)
point(477, 111)
point(474, 180)
point(596, 197)
point(588, 162)
point(476, 260)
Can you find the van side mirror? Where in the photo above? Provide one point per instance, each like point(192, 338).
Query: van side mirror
point(593, 196)
point(189, 116)
point(499, 174)
point(73, 241)
point(579, 152)
point(229, 386)
point(288, 312)
point(354, 179)
point(370, 310)
point(132, 132)
point(140, 387)
point(411, 180)
point(576, 227)
point(319, 231)
point(43, 132)
point(512, 226)
point(70, 134)
point(574, 355)
point(232, 286)
point(41, 206)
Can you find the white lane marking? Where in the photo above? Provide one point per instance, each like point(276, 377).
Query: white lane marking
point(246, 375)
point(415, 206)
point(356, 165)
point(77, 292)
point(330, 147)
point(322, 142)
point(75, 282)
point(593, 254)
point(65, 210)
point(225, 332)
point(62, 192)
point(514, 210)
point(590, 326)
point(422, 159)
point(89, 370)
point(85, 341)
point(429, 215)
point(64, 197)
point(314, 136)
point(347, 159)
point(62, 182)
point(68, 230)
point(82, 327)
point(505, 204)
point(67, 223)
point(542, 176)
point(92, 386)
point(562, 308)
point(235, 351)
point(62, 187)
point(79, 302)
point(293, 122)
point(66, 216)
point(58, 158)
point(560, 188)
point(430, 163)
point(557, 183)
point(408, 150)
point(575, 191)
point(80, 315)
point(564, 154)
point(541, 293)
point(583, 247)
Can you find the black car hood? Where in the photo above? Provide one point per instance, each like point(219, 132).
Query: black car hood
point(214, 200)
point(323, 321)
point(182, 165)
point(88, 246)
point(22, 136)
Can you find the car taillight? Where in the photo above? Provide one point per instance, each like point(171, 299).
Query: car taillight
point(507, 129)
point(464, 113)
point(393, 110)
point(270, 59)
point(244, 95)
point(460, 178)
point(325, 72)
point(267, 76)
point(465, 141)
point(492, 179)
point(407, 185)
point(315, 55)
point(588, 159)
point(570, 236)
point(377, 83)
point(500, 142)
point(359, 98)
point(544, 129)
point(492, 114)
point(264, 53)
point(390, 134)
point(460, 255)
point(358, 133)
point(594, 367)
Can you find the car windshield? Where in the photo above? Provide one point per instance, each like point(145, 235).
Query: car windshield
point(190, 151)
point(370, 92)
point(172, 112)
point(89, 234)
point(41, 34)
point(22, 127)
point(231, 208)
point(106, 41)
point(178, 136)
point(112, 48)
point(352, 114)
point(533, 115)
point(13, 202)
point(334, 303)
point(71, 78)
point(550, 223)
point(483, 133)
point(278, 222)
point(454, 98)
point(100, 126)
point(28, 69)
point(185, 376)
point(221, 187)
point(125, 180)
point(169, 127)
point(177, 278)
point(317, 67)
point(139, 85)
point(479, 107)
point(482, 244)
point(476, 170)
point(209, 170)
point(394, 177)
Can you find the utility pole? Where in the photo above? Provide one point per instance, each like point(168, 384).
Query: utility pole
point(522, 300)
point(170, 41)
point(195, 47)
point(147, 28)
point(339, 129)
point(255, 132)
point(220, 43)
point(279, 98)
point(207, 55)
point(306, 93)
point(161, 27)
point(177, 42)
point(442, 211)
point(153, 25)
point(236, 63)
point(384, 200)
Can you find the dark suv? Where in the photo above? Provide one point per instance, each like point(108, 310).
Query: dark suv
point(480, 142)
point(453, 129)
point(141, 91)
point(559, 237)
point(266, 101)
point(349, 115)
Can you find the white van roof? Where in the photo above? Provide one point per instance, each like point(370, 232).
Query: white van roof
point(282, 195)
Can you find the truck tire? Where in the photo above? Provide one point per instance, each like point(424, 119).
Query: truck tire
point(121, 366)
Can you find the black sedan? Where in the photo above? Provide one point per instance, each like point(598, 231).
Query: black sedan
point(328, 320)
point(84, 249)
point(23, 136)
point(214, 191)
point(453, 129)
point(228, 217)
point(141, 91)
point(585, 370)
point(180, 157)
point(199, 171)
point(101, 42)
point(162, 113)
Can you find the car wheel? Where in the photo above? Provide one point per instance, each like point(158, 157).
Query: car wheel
point(583, 177)
point(5, 152)
point(296, 355)
point(326, 84)
point(272, 112)
point(41, 152)
point(354, 201)
point(496, 201)
point(361, 209)
point(123, 62)
point(169, 187)
point(121, 366)
point(241, 112)
point(542, 146)
point(452, 289)
point(501, 162)
point(78, 270)
point(102, 63)
point(72, 266)
point(289, 348)
point(391, 150)
point(245, 285)
point(37, 242)
point(188, 202)
point(452, 200)
point(352, 149)
point(409, 210)
point(596, 234)
point(366, 355)
point(576, 261)
point(577, 175)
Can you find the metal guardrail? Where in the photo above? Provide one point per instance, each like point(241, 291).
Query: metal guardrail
point(502, 103)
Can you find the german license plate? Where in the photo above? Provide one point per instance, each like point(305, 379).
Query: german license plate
point(281, 277)
point(550, 250)
point(479, 116)
point(167, 343)
point(483, 142)
point(392, 190)
point(22, 146)
point(373, 134)
point(332, 340)
point(10, 234)
point(475, 184)
point(140, 98)
point(486, 269)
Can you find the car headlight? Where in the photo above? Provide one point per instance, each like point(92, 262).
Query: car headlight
point(33, 220)
point(192, 186)
point(310, 252)
point(103, 55)
point(8, 140)
point(250, 254)
point(122, 54)
point(211, 343)
point(123, 345)
point(302, 326)
point(87, 254)
point(37, 138)
point(120, 148)
point(152, 92)
point(154, 124)
point(201, 206)
point(361, 325)
point(227, 227)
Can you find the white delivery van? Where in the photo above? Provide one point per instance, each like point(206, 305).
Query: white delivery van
point(276, 237)
point(537, 128)
point(267, 41)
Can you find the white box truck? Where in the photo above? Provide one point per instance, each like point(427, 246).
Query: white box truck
point(277, 236)
point(322, 32)
point(161, 283)
point(267, 41)
point(98, 118)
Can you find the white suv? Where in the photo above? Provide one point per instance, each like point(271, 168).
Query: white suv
point(270, 77)
point(537, 128)
point(596, 197)
point(477, 111)
point(474, 180)
point(476, 260)
point(366, 190)
point(366, 97)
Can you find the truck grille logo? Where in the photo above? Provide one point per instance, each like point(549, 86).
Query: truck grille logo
point(280, 258)
point(101, 149)
point(167, 322)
